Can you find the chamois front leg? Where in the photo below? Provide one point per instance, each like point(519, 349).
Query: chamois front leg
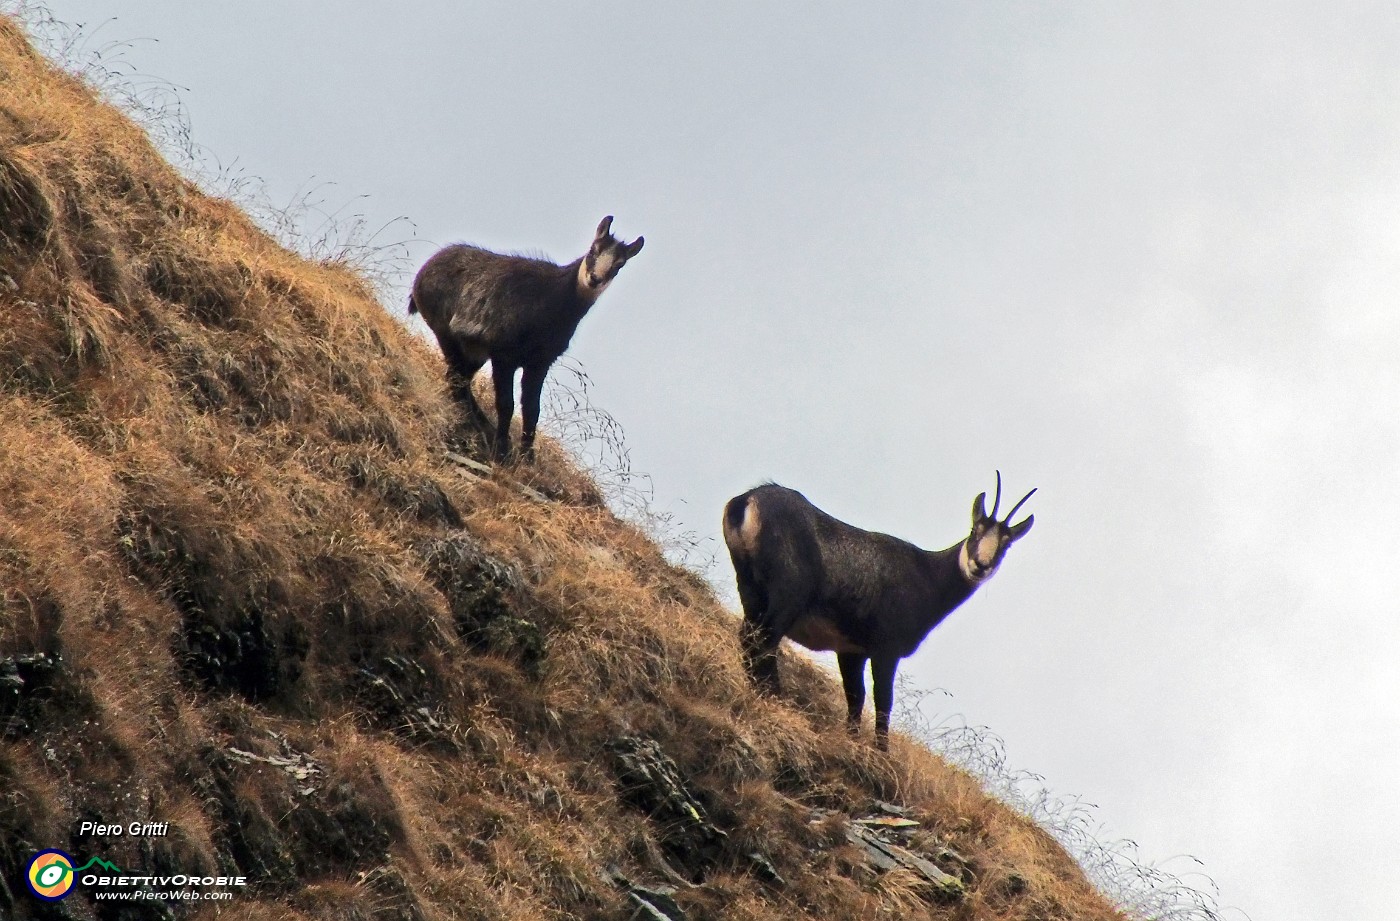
point(882, 672)
point(531, 385)
point(853, 681)
point(503, 376)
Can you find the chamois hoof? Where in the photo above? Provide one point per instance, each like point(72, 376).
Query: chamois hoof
point(467, 440)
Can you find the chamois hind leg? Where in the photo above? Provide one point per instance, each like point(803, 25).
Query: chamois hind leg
point(882, 674)
point(853, 682)
point(531, 385)
point(462, 366)
point(756, 640)
point(503, 376)
point(760, 645)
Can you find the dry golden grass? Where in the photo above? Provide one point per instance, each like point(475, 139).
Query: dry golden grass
point(229, 518)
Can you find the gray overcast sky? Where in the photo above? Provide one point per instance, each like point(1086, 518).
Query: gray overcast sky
point(1143, 258)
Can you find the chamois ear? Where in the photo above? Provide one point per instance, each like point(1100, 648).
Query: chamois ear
point(1018, 531)
point(979, 509)
point(604, 227)
point(633, 248)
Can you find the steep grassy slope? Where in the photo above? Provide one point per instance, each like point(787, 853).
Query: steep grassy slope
point(246, 593)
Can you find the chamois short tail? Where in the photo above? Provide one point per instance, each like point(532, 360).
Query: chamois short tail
point(741, 525)
point(734, 513)
point(412, 305)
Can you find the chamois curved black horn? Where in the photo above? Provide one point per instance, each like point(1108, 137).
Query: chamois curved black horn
point(997, 501)
point(1018, 505)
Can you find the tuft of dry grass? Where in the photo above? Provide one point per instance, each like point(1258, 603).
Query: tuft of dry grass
point(267, 609)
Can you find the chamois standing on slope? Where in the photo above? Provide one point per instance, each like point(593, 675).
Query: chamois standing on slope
point(864, 595)
point(516, 311)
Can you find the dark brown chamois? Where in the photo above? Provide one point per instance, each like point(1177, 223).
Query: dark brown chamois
point(806, 576)
point(516, 311)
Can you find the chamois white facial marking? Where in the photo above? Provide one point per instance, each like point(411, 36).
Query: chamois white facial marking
point(604, 259)
point(980, 555)
point(597, 276)
point(973, 567)
point(985, 554)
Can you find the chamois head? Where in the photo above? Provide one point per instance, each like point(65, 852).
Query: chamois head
point(605, 257)
point(981, 553)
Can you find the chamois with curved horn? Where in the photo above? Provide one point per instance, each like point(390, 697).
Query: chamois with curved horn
point(516, 311)
point(867, 596)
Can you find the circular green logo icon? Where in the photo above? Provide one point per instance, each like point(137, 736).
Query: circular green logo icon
point(50, 875)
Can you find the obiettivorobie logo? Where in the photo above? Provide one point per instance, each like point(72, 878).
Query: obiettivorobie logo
point(51, 873)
